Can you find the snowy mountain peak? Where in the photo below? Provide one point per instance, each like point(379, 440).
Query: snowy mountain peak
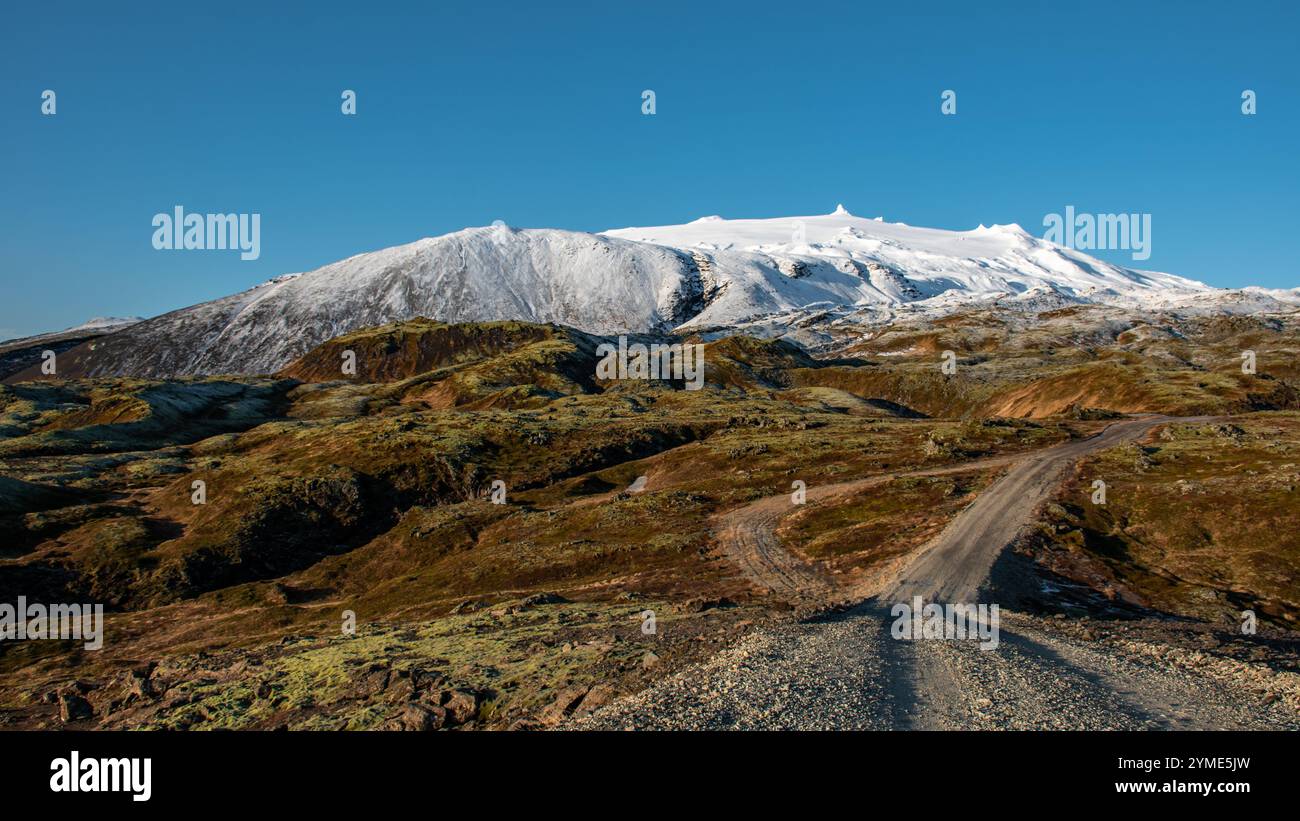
point(1010, 228)
point(709, 273)
point(787, 263)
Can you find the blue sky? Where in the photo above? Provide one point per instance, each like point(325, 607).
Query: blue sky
point(530, 113)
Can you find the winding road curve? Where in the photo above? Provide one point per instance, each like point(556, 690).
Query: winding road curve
point(955, 566)
point(847, 671)
point(950, 568)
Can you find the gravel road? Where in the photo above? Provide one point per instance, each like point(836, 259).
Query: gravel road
point(955, 566)
point(846, 671)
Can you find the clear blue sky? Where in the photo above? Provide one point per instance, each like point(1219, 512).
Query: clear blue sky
point(530, 113)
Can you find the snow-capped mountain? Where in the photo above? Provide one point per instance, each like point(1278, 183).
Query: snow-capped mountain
point(97, 325)
point(709, 273)
point(775, 265)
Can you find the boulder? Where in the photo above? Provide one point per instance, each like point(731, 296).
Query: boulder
point(73, 707)
point(416, 717)
point(565, 703)
point(543, 598)
point(461, 705)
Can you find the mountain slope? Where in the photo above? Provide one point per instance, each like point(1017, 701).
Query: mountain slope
point(706, 274)
point(25, 353)
point(592, 282)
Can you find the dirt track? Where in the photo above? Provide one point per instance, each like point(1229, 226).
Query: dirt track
point(952, 567)
point(848, 672)
point(747, 535)
point(955, 566)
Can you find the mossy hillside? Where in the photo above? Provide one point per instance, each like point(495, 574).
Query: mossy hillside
point(874, 526)
point(404, 349)
point(86, 416)
point(373, 496)
point(1204, 521)
point(514, 658)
